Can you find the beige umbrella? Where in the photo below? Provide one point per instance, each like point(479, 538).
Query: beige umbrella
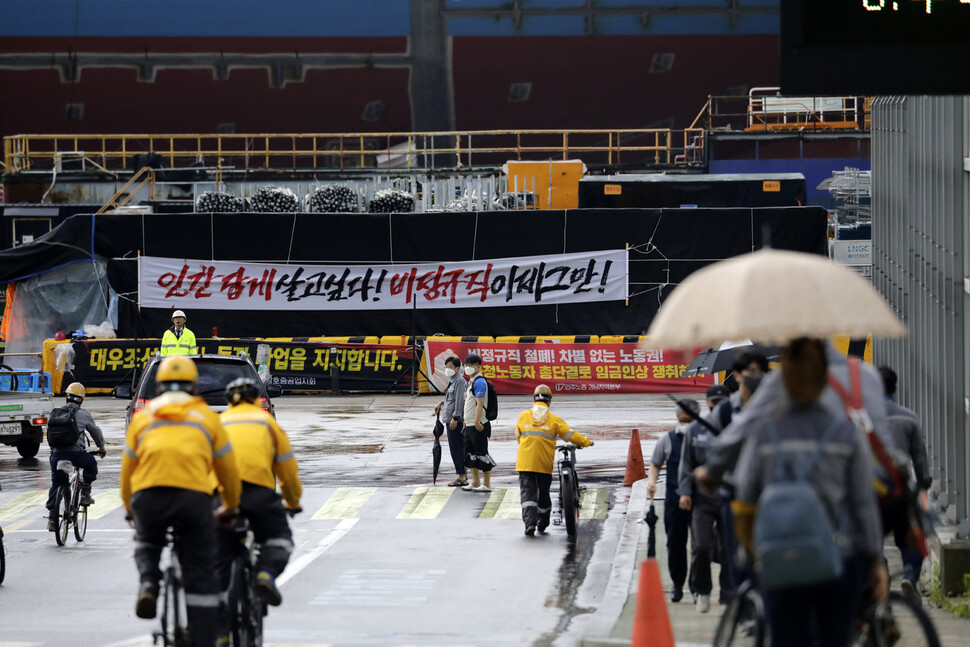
point(772, 296)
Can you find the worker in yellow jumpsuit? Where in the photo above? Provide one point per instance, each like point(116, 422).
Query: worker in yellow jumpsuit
point(263, 455)
point(171, 447)
point(536, 432)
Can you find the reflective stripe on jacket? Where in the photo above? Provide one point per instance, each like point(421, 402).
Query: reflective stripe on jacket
point(537, 442)
point(174, 442)
point(183, 345)
point(263, 451)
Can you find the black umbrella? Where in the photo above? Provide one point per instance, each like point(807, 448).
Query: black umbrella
point(436, 450)
point(715, 360)
point(651, 520)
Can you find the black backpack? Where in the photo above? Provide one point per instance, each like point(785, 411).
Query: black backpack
point(62, 431)
point(491, 400)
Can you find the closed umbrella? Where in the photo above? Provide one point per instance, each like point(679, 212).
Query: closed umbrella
point(436, 450)
point(773, 296)
point(651, 520)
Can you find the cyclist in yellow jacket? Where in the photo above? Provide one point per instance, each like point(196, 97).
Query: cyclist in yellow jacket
point(171, 447)
point(178, 340)
point(536, 432)
point(263, 454)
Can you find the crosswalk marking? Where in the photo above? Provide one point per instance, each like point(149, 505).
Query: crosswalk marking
point(104, 502)
point(426, 502)
point(594, 504)
point(504, 503)
point(345, 503)
point(23, 504)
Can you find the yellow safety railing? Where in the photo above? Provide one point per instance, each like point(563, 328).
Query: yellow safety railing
point(126, 193)
point(348, 151)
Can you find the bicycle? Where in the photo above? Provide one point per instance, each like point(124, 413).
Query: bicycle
point(173, 631)
point(245, 608)
point(3, 558)
point(67, 505)
point(900, 622)
point(569, 489)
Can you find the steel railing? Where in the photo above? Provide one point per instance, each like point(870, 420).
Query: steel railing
point(766, 110)
point(347, 151)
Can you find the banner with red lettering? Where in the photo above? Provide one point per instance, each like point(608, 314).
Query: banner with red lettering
point(224, 285)
point(570, 368)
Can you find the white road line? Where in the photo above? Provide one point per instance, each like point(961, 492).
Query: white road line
point(306, 559)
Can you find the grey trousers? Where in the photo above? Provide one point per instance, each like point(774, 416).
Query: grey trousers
point(706, 514)
point(536, 503)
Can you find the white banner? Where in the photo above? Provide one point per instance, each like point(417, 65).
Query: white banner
point(226, 285)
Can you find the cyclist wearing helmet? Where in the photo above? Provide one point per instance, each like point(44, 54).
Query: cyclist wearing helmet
point(263, 454)
point(170, 448)
point(178, 340)
point(76, 453)
point(536, 432)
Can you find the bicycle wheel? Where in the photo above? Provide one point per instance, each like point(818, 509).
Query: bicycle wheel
point(63, 507)
point(237, 607)
point(907, 625)
point(570, 507)
point(80, 522)
point(3, 559)
point(743, 622)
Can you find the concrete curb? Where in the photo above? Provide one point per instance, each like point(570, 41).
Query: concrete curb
point(599, 627)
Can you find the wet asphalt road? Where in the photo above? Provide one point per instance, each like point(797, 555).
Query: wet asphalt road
point(381, 558)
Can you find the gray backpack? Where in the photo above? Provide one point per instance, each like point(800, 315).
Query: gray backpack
point(794, 541)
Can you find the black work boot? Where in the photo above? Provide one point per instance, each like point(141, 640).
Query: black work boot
point(147, 597)
point(52, 521)
point(86, 498)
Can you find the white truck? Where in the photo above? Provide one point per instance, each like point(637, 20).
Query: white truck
point(23, 414)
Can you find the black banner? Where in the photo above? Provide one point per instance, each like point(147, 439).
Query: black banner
point(293, 365)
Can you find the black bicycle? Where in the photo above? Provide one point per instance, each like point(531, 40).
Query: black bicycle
point(900, 622)
point(67, 505)
point(173, 631)
point(569, 489)
point(3, 558)
point(246, 608)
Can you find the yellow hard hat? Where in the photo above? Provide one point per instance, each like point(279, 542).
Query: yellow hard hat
point(177, 369)
point(76, 389)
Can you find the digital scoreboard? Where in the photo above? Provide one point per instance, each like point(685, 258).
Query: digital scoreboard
point(855, 47)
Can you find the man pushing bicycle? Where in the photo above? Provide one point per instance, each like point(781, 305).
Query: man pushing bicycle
point(170, 448)
point(536, 431)
point(263, 455)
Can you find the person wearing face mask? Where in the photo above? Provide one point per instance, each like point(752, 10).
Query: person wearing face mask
point(477, 428)
point(449, 412)
point(536, 431)
point(676, 519)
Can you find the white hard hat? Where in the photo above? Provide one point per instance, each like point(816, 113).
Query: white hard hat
point(178, 313)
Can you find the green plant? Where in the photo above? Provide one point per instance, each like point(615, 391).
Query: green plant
point(958, 605)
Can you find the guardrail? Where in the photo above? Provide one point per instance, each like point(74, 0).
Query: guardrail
point(359, 151)
point(766, 110)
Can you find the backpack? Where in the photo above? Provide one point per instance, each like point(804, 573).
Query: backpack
point(794, 542)
point(491, 400)
point(62, 431)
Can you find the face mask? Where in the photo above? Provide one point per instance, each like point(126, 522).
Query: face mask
point(469, 370)
point(539, 412)
point(450, 372)
point(682, 427)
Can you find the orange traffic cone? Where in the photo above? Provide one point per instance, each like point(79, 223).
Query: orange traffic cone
point(651, 624)
point(634, 461)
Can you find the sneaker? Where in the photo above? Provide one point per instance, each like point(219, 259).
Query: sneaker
point(530, 530)
point(468, 487)
point(147, 597)
point(482, 488)
point(86, 498)
point(266, 588)
point(909, 590)
point(677, 595)
point(703, 603)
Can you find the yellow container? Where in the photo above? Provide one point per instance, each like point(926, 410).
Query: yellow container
point(554, 183)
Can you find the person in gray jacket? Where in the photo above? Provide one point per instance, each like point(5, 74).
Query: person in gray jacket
point(819, 614)
point(76, 453)
point(449, 412)
point(705, 508)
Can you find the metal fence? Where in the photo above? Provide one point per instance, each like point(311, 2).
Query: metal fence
point(921, 208)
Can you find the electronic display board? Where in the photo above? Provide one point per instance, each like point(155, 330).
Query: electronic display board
point(875, 46)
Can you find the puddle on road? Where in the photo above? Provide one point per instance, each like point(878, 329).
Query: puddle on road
point(572, 573)
point(328, 449)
